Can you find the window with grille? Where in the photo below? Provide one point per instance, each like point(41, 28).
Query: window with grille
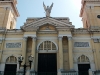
point(11, 59)
point(83, 58)
point(47, 45)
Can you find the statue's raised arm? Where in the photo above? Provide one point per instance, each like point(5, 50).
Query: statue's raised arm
point(44, 6)
point(51, 7)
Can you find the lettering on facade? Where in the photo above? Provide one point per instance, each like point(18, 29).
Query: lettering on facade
point(13, 45)
point(81, 44)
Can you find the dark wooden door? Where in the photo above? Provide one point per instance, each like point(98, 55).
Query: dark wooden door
point(83, 69)
point(10, 69)
point(47, 64)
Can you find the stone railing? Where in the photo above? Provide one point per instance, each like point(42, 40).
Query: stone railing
point(1, 73)
point(96, 72)
point(11, 73)
point(69, 73)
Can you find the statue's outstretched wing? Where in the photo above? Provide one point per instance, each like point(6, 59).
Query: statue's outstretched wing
point(51, 7)
point(44, 6)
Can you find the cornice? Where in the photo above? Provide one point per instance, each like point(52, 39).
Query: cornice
point(85, 31)
point(80, 31)
point(47, 31)
point(36, 24)
point(11, 31)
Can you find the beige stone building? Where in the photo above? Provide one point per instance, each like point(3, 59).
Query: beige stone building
point(56, 45)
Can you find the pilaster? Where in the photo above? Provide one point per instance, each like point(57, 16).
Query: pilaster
point(94, 53)
point(70, 53)
point(0, 52)
point(24, 49)
point(33, 52)
point(60, 53)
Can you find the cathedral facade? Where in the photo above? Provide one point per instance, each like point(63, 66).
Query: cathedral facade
point(54, 43)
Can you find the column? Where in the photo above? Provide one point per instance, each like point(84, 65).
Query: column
point(33, 52)
point(60, 54)
point(1, 48)
point(94, 53)
point(70, 53)
point(0, 52)
point(24, 50)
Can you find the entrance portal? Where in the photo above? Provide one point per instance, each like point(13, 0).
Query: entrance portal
point(10, 69)
point(83, 69)
point(83, 65)
point(47, 64)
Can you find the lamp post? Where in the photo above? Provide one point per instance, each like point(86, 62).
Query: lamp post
point(20, 60)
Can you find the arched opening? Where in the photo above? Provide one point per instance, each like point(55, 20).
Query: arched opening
point(11, 66)
point(47, 45)
point(83, 65)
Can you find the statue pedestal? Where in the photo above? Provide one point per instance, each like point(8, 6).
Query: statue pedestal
point(90, 72)
point(59, 71)
point(28, 72)
point(32, 72)
point(20, 72)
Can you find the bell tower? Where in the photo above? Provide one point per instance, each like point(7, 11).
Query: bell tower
point(8, 14)
point(89, 12)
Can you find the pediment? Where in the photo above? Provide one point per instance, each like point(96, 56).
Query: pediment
point(35, 25)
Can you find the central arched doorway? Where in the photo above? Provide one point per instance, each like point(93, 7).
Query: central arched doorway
point(47, 58)
point(83, 65)
point(10, 66)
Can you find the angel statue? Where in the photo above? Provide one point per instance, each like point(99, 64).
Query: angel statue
point(47, 9)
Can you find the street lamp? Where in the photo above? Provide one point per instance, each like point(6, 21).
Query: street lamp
point(20, 60)
point(98, 16)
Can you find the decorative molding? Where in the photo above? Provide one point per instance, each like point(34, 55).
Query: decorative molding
point(17, 51)
point(60, 38)
point(29, 35)
point(34, 38)
point(89, 55)
point(83, 51)
point(13, 38)
point(81, 38)
point(47, 51)
point(47, 32)
point(61, 35)
point(69, 38)
point(81, 44)
point(47, 38)
point(14, 45)
point(25, 38)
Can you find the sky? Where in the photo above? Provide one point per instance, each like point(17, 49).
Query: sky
point(61, 8)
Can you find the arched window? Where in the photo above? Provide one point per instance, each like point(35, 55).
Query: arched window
point(11, 59)
point(83, 58)
point(47, 45)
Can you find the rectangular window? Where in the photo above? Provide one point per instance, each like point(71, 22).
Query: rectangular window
point(81, 44)
point(13, 45)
